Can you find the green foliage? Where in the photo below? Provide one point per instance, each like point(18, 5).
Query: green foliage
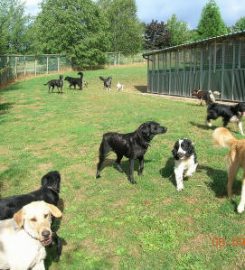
point(239, 25)
point(211, 23)
point(156, 36)
point(75, 28)
point(124, 29)
point(179, 31)
point(13, 27)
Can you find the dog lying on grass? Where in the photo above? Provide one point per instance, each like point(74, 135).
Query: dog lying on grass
point(131, 145)
point(48, 192)
point(23, 238)
point(224, 138)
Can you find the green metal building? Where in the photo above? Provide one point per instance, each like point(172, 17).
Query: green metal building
point(216, 63)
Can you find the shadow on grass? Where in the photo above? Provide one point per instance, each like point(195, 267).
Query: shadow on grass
point(124, 165)
point(219, 181)
point(10, 87)
point(52, 251)
point(203, 126)
point(141, 88)
point(5, 107)
point(168, 171)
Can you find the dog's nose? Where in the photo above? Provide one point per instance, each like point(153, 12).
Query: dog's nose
point(46, 234)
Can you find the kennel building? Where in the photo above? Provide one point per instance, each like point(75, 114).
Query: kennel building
point(216, 63)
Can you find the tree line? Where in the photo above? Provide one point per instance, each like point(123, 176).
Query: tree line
point(84, 29)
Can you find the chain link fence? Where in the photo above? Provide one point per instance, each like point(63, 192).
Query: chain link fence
point(117, 58)
point(15, 66)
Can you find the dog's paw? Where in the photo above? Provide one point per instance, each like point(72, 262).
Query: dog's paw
point(118, 167)
point(179, 188)
point(240, 208)
point(132, 181)
point(97, 176)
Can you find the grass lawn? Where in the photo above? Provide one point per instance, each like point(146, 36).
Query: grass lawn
point(108, 223)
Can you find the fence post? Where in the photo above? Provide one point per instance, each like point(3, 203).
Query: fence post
point(24, 66)
point(58, 63)
point(35, 66)
point(15, 66)
point(47, 64)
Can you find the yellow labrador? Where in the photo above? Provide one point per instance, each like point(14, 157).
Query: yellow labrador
point(22, 238)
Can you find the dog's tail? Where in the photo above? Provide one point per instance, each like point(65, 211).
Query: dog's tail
point(45, 83)
point(223, 137)
point(102, 78)
point(216, 93)
point(80, 73)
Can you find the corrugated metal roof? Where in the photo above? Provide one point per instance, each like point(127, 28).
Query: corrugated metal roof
point(196, 43)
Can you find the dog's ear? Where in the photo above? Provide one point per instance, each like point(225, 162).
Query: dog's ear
point(175, 149)
point(19, 218)
point(190, 148)
point(55, 211)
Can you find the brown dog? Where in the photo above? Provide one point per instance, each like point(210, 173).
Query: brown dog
point(207, 96)
point(224, 138)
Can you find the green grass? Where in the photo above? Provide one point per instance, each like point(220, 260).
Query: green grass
point(108, 223)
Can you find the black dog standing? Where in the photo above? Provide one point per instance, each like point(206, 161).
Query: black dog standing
point(132, 145)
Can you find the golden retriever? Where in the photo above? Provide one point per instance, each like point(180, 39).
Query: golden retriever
point(23, 237)
point(224, 138)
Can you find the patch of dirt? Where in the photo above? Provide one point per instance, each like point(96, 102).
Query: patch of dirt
point(195, 243)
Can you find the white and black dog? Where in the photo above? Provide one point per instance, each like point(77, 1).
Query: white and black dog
point(185, 161)
point(229, 113)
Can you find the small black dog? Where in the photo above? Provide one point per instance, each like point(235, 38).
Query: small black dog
point(229, 113)
point(55, 83)
point(75, 81)
point(132, 145)
point(107, 82)
point(48, 192)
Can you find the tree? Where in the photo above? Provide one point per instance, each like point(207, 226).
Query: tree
point(239, 25)
point(156, 36)
point(179, 31)
point(124, 29)
point(73, 27)
point(13, 27)
point(211, 23)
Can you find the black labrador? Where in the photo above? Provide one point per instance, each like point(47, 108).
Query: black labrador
point(48, 192)
point(107, 82)
point(75, 81)
point(55, 83)
point(131, 145)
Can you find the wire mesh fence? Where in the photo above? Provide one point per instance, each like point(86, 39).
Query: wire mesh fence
point(15, 66)
point(117, 58)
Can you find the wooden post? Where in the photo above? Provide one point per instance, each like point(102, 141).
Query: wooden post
point(58, 63)
point(47, 64)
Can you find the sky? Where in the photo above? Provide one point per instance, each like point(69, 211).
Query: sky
point(188, 11)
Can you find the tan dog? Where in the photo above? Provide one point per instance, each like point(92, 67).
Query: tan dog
point(224, 138)
point(22, 238)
